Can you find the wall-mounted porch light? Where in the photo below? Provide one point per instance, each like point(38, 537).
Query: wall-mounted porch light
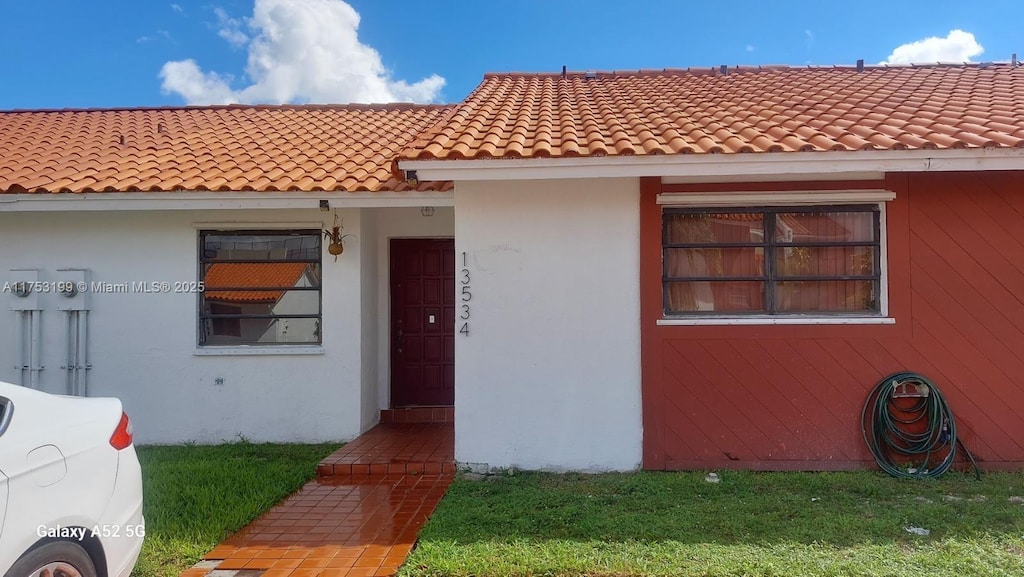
point(427, 211)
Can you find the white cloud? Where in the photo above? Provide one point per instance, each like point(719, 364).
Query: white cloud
point(158, 35)
point(957, 46)
point(177, 8)
point(808, 39)
point(194, 85)
point(751, 48)
point(230, 29)
point(301, 51)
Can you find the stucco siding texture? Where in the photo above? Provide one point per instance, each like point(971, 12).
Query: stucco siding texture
point(143, 346)
point(785, 397)
point(548, 376)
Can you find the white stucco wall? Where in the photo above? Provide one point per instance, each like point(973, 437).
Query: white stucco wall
point(143, 346)
point(369, 409)
point(549, 375)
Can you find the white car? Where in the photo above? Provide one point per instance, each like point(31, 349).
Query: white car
point(70, 486)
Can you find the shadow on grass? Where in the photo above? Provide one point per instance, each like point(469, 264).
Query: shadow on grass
point(835, 509)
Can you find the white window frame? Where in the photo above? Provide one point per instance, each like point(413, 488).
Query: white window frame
point(763, 200)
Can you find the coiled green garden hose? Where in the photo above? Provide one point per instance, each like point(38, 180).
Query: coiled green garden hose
point(891, 429)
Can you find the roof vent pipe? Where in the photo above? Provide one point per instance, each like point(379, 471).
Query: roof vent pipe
point(1013, 58)
point(564, 71)
point(860, 65)
point(724, 69)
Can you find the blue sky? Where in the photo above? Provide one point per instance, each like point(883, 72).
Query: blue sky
point(70, 53)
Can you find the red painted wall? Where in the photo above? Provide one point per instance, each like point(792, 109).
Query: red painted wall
point(790, 397)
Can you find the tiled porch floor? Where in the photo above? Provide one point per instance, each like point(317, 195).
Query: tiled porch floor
point(345, 524)
point(395, 448)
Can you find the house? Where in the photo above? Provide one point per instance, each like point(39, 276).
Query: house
point(599, 271)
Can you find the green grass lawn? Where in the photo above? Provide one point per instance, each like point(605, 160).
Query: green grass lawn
point(750, 524)
point(195, 496)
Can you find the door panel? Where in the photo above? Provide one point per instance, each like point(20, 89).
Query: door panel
point(422, 322)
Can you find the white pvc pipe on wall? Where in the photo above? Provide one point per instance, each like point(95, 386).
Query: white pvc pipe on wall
point(82, 354)
point(76, 339)
point(69, 359)
point(19, 346)
point(35, 348)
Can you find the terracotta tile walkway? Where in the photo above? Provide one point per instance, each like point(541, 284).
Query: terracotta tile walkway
point(395, 448)
point(345, 524)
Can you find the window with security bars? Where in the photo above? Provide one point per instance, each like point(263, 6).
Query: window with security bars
point(260, 287)
point(771, 261)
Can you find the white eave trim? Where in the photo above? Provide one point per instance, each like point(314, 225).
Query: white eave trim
point(798, 165)
point(212, 200)
point(801, 198)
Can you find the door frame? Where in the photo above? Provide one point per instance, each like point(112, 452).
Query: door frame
point(388, 325)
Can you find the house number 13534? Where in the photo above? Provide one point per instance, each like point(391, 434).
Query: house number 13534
point(465, 295)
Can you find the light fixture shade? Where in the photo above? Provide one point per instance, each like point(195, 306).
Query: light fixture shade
point(427, 211)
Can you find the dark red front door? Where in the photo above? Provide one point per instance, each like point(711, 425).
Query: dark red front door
point(422, 322)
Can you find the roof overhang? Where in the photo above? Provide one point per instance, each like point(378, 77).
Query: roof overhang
point(207, 200)
point(829, 165)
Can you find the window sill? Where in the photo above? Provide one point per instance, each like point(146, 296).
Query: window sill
point(777, 321)
point(241, 351)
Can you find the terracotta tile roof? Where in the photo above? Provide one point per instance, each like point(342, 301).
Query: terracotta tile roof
point(773, 109)
point(254, 275)
point(263, 148)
